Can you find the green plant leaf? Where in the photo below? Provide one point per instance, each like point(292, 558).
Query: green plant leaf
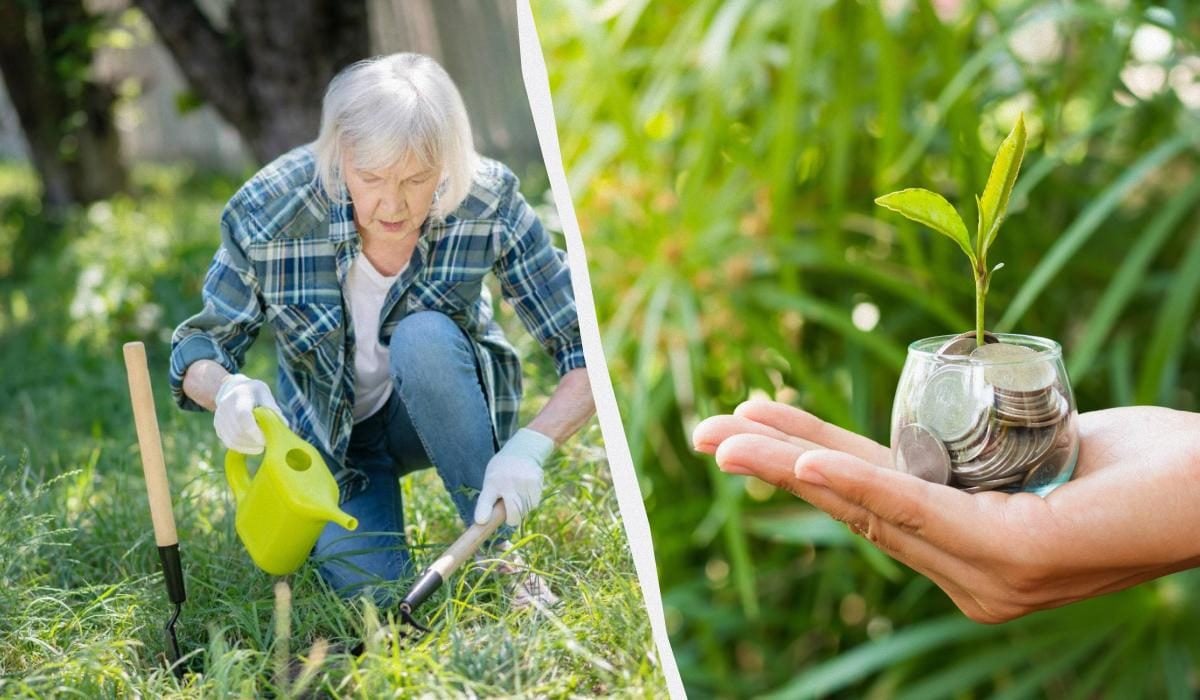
point(1081, 229)
point(994, 203)
point(932, 210)
point(979, 229)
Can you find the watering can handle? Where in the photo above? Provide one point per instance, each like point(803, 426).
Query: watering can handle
point(237, 474)
point(236, 471)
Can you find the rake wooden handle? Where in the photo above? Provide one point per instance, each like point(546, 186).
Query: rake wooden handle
point(150, 443)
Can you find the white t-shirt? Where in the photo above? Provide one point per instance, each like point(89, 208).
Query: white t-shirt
point(365, 291)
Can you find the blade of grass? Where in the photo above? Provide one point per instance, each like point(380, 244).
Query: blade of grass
point(1128, 279)
point(1161, 361)
point(892, 280)
point(970, 71)
point(1030, 682)
point(837, 320)
point(817, 394)
point(1099, 670)
point(881, 563)
point(1177, 666)
point(1051, 159)
point(984, 664)
point(645, 369)
point(740, 561)
point(801, 525)
point(860, 662)
point(1120, 370)
point(616, 329)
point(1078, 233)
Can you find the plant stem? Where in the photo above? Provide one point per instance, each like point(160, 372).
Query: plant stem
point(981, 276)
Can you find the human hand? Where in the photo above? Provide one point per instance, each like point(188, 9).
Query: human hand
point(514, 475)
point(1129, 515)
point(233, 417)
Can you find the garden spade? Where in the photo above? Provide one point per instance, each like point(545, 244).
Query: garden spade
point(154, 469)
point(432, 577)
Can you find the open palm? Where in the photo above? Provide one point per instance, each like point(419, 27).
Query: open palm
point(1130, 514)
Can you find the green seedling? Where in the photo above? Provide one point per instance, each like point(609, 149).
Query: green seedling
point(931, 209)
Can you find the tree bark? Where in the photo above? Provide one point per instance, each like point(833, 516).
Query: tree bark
point(65, 115)
point(265, 74)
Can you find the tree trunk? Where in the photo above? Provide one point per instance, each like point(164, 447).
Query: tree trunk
point(45, 58)
point(265, 74)
point(484, 55)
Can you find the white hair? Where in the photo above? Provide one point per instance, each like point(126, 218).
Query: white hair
point(383, 109)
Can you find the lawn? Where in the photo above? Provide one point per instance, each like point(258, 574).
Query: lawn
point(80, 589)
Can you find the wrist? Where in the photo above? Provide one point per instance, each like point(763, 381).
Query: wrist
point(228, 383)
point(530, 444)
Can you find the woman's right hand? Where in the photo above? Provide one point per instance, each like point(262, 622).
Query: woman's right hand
point(233, 418)
point(1129, 515)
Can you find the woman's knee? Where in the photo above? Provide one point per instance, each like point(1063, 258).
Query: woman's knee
point(427, 344)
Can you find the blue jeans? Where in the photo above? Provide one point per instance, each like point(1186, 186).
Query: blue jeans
point(436, 415)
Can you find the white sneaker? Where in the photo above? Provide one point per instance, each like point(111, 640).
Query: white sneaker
point(525, 587)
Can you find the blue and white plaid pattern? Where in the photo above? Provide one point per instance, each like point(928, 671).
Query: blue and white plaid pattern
point(285, 253)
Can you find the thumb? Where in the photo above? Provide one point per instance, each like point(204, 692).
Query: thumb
point(484, 504)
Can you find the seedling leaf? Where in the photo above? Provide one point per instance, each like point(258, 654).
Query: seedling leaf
point(930, 209)
point(994, 203)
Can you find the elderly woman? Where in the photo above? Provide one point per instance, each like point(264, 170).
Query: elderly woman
point(366, 251)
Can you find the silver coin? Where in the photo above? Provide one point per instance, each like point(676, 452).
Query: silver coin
point(963, 344)
point(919, 452)
point(1014, 368)
point(953, 402)
point(993, 484)
point(975, 445)
point(990, 464)
point(1050, 414)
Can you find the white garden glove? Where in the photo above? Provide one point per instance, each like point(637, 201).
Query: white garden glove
point(234, 417)
point(514, 475)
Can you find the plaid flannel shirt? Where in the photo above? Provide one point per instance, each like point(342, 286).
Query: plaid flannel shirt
point(284, 255)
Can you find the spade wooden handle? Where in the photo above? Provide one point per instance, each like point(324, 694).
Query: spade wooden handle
point(150, 442)
point(431, 578)
point(468, 542)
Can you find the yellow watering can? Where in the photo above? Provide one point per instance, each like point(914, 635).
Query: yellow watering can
point(283, 508)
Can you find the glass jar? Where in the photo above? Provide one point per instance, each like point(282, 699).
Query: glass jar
point(1000, 416)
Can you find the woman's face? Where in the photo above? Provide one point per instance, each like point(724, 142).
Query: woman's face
point(391, 203)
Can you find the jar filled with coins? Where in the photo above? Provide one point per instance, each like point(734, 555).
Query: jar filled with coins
point(998, 416)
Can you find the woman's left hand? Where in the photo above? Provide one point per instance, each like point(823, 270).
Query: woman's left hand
point(1129, 515)
point(514, 475)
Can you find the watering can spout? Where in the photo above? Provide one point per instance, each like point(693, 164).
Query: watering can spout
point(335, 515)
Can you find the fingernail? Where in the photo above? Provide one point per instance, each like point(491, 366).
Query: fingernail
point(809, 474)
point(731, 468)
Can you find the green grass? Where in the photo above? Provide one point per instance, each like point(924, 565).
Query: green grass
point(82, 598)
point(724, 156)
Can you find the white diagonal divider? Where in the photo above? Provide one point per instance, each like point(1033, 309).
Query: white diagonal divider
point(629, 497)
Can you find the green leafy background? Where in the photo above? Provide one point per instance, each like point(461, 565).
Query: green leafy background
point(723, 158)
